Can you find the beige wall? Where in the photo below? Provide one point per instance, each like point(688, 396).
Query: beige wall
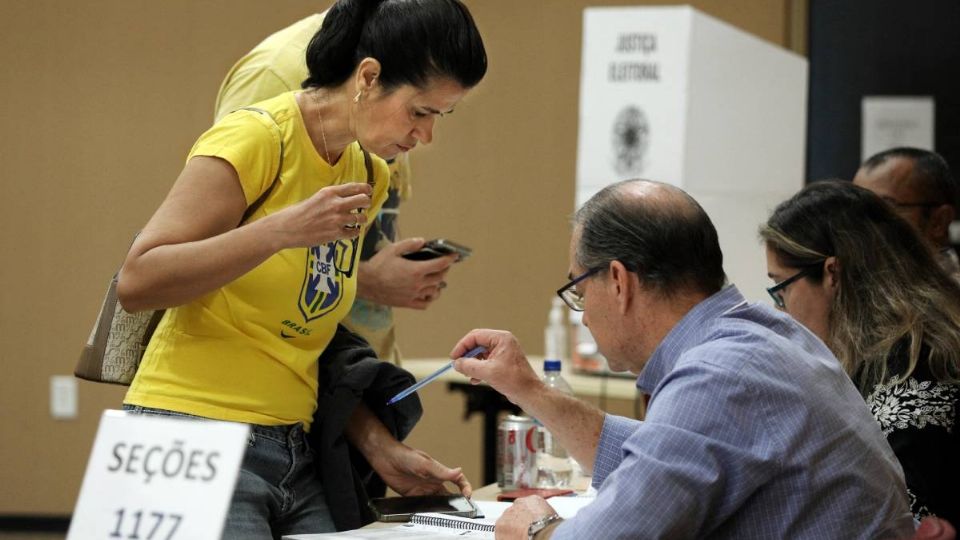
point(99, 104)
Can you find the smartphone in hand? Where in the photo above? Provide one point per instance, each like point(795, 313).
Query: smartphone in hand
point(438, 248)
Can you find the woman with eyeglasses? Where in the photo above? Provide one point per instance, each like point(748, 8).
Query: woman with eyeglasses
point(253, 253)
point(858, 276)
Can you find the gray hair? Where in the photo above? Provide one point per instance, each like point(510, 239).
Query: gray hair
point(666, 238)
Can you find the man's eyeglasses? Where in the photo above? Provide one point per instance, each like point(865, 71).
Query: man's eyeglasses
point(776, 292)
point(569, 294)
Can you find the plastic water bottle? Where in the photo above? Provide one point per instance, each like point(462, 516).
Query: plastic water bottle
point(555, 335)
point(554, 465)
point(584, 355)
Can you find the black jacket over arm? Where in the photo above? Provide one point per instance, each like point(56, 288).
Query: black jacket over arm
point(350, 373)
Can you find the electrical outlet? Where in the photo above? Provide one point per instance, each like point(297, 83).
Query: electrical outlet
point(63, 397)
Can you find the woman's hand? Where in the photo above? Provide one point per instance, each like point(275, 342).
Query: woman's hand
point(330, 214)
point(413, 472)
point(389, 279)
point(406, 470)
point(192, 244)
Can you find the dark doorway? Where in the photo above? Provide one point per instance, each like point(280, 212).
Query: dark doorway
point(879, 47)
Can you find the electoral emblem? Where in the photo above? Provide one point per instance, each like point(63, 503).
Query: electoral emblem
point(631, 137)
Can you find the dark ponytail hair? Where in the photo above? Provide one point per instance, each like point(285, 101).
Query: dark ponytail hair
point(413, 40)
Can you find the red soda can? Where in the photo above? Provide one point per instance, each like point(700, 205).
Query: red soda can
point(517, 452)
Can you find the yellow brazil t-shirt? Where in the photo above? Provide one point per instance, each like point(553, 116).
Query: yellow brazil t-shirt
point(277, 65)
point(247, 352)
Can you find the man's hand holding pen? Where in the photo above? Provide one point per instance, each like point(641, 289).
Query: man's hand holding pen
point(503, 366)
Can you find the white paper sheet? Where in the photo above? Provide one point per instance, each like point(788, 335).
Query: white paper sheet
point(892, 121)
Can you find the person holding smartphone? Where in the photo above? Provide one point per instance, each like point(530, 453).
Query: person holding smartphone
point(386, 280)
point(252, 301)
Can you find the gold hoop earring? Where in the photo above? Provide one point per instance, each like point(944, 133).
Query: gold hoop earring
point(356, 98)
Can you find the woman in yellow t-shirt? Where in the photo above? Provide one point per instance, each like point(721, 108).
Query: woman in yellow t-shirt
point(254, 251)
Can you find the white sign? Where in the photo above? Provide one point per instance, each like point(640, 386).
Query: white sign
point(632, 96)
point(889, 122)
point(158, 478)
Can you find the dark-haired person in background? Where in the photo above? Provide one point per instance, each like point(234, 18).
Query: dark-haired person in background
point(753, 428)
point(919, 185)
point(385, 279)
point(860, 278)
point(250, 307)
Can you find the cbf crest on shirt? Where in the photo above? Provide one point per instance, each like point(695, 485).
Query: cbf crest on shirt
point(328, 266)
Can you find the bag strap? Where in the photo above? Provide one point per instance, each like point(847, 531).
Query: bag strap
point(263, 197)
point(368, 164)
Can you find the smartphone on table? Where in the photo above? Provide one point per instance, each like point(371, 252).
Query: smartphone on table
point(402, 508)
point(439, 247)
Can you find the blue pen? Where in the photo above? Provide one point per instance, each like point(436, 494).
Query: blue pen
point(472, 353)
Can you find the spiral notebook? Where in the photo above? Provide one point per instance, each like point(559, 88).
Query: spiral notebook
point(461, 527)
point(426, 526)
point(447, 527)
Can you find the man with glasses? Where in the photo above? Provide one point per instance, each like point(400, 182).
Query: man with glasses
point(753, 429)
point(919, 185)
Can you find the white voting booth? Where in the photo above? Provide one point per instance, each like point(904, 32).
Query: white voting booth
point(673, 95)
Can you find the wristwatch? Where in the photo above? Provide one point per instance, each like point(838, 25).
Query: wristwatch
point(541, 524)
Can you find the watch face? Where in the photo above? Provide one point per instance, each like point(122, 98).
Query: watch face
point(540, 525)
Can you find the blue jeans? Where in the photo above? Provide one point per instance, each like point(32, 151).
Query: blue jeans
point(278, 491)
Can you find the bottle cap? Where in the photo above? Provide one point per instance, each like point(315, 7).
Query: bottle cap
point(551, 365)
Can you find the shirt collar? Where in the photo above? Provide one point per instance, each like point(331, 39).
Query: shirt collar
point(685, 334)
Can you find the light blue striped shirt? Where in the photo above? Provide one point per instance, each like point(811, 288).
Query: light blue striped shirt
point(753, 431)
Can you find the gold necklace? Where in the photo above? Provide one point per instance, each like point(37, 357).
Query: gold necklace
point(323, 135)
